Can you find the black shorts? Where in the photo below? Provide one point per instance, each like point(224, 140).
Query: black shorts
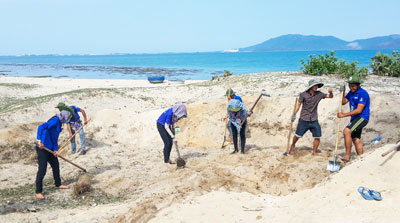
point(304, 126)
point(356, 126)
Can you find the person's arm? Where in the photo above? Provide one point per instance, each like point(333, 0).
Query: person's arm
point(84, 115)
point(168, 129)
point(69, 130)
point(358, 110)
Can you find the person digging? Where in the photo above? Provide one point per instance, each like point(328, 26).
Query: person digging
point(359, 102)
point(309, 101)
point(230, 94)
point(165, 127)
point(237, 113)
point(47, 137)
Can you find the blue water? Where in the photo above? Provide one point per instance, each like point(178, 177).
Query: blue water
point(177, 66)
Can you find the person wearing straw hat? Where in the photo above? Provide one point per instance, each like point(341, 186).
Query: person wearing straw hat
point(309, 101)
point(359, 102)
point(47, 136)
point(230, 94)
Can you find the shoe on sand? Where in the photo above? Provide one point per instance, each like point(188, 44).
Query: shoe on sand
point(82, 153)
point(39, 196)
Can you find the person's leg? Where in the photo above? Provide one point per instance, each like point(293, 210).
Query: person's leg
point(347, 143)
point(73, 144)
point(301, 129)
point(229, 126)
point(83, 141)
point(235, 138)
point(316, 133)
point(243, 137)
point(55, 166)
point(167, 140)
point(42, 167)
point(358, 145)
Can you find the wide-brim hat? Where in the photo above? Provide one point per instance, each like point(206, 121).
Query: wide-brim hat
point(312, 83)
point(229, 92)
point(234, 109)
point(61, 105)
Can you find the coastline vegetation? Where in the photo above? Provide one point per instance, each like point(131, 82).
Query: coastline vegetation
point(382, 65)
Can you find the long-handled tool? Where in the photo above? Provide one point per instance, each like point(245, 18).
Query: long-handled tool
point(290, 129)
point(334, 166)
point(226, 123)
point(396, 147)
point(70, 138)
point(179, 161)
point(76, 165)
point(254, 105)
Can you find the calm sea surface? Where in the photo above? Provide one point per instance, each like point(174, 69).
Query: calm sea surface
point(174, 66)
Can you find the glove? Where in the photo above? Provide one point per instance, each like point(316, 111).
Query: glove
point(342, 88)
point(174, 140)
point(293, 118)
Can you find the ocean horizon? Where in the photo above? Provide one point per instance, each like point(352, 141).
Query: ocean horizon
point(174, 66)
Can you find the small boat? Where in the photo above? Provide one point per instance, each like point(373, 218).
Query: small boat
point(156, 79)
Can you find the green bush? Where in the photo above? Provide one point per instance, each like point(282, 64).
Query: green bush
point(329, 64)
point(385, 65)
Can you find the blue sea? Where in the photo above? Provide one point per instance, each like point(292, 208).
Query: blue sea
point(174, 66)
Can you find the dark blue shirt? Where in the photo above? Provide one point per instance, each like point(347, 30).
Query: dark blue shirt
point(166, 117)
point(76, 109)
point(49, 132)
point(360, 97)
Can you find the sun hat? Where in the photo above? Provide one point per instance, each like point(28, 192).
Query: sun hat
point(234, 105)
point(312, 83)
point(355, 79)
point(63, 107)
point(229, 92)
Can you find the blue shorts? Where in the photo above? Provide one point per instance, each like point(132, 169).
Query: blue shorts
point(304, 126)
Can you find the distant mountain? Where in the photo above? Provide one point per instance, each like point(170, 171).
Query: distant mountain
point(296, 42)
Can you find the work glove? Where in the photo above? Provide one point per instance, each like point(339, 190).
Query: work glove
point(174, 140)
point(342, 88)
point(293, 118)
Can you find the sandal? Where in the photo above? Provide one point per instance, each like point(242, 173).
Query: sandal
point(365, 193)
point(376, 195)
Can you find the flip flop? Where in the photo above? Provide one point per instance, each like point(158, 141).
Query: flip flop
point(376, 195)
point(285, 154)
point(365, 193)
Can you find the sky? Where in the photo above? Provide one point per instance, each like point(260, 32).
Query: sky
point(161, 26)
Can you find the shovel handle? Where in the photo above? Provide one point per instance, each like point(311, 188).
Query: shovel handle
point(69, 139)
point(391, 150)
point(68, 161)
point(291, 125)
point(338, 120)
point(254, 105)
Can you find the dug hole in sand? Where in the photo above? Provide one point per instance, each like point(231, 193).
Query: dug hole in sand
point(125, 158)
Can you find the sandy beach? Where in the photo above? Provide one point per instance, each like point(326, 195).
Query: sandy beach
point(130, 182)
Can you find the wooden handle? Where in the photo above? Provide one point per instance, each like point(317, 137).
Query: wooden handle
point(291, 125)
point(69, 139)
point(76, 165)
point(338, 121)
point(251, 110)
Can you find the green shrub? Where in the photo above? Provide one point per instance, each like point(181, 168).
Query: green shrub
point(329, 64)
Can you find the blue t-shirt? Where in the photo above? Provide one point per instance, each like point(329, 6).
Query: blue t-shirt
point(76, 109)
point(49, 132)
point(360, 97)
point(166, 117)
point(238, 98)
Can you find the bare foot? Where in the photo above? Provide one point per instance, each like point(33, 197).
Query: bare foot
point(40, 196)
point(316, 154)
point(63, 187)
point(291, 149)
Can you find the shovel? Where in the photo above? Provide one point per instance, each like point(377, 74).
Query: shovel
point(254, 105)
point(179, 161)
point(226, 123)
point(334, 166)
point(69, 140)
point(74, 164)
point(290, 130)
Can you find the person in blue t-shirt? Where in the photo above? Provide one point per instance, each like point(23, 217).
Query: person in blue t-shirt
point(47, 137)
point(74, 125)
point(230, 94)
point(165, 126)
point(359, 102)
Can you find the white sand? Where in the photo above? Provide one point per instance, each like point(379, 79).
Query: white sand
point(125, 152)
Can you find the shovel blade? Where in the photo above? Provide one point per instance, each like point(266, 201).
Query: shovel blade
point(180, 162)
point(333, 166)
